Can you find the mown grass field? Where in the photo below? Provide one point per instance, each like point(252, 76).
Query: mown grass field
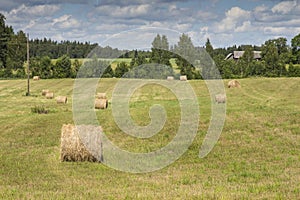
point(256, 157)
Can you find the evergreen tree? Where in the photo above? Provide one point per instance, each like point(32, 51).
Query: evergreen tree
point(209, 48)
point(63, 67)
point(108, 72)
point(121, 69)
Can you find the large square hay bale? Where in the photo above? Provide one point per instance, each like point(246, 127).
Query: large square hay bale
point(81, 143)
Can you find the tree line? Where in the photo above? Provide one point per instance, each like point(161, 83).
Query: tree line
point(277, 58)
point(13, 54)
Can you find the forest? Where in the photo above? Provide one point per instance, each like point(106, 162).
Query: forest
point(53, 59)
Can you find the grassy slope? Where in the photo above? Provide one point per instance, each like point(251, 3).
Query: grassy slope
point(257, 155)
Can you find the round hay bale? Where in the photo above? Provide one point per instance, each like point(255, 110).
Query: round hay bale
point(49, 95)
point(61, 99)
point(81, 143)
point(220, 98)
point(234, 84)
point(44, 92)
point(170, 78)
point(183, 78)
point(101, 103)
point(36, 78)
point(101, 95)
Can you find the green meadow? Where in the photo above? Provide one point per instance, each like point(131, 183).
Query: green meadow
point(256, 157)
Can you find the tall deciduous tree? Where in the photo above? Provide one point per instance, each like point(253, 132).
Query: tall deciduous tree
point(160, 50)
point(296, 48)
point(270, 56)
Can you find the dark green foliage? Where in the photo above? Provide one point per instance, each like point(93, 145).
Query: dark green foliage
point(108, 72)
point(121, 69)
point(42, 66)
point(209, 48)
point(39, 110)
point(160, 53)
point(296, 49)
point(270, 55)
point(75, 68)
point(293, 71)
point(186, 53)
point(63, 67)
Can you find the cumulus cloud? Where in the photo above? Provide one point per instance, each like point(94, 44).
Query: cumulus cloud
point(25, 12)
point(284, 7)
point(66, 22)
point(233, 18)
point(246, 26)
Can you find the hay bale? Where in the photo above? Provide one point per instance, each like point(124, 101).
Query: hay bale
point(170, 78)
point(61, 99)
point(220, 98)
point(49, 95)
point(101, 103)
point(81, 143)
point(234, 84)
point(44, 92)
point(183, 78)
point(36, 78)
point(101, 95)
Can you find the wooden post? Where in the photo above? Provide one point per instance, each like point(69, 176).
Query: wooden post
point(28, 74)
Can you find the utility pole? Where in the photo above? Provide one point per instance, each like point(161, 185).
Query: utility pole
point(28, 74)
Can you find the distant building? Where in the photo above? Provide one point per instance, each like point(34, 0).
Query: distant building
point(238, 54)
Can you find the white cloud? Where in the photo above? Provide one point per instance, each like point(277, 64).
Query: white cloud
point(66, 22)
point(24, 12)
point(233, 18)
point(123, 12)
point(284, 7)
point(246, 26)
point(283, 31)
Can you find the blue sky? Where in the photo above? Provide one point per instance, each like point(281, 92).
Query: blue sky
point(130, 24)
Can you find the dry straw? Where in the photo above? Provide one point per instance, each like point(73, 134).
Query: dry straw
point(220, 98)
point(81, 143)
point(101, 103)
point(183, 78)
point(49, 95)
point(101, 96)
point(44, 92)
point(61, 99)
point(36, 78)
point(234, 84)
